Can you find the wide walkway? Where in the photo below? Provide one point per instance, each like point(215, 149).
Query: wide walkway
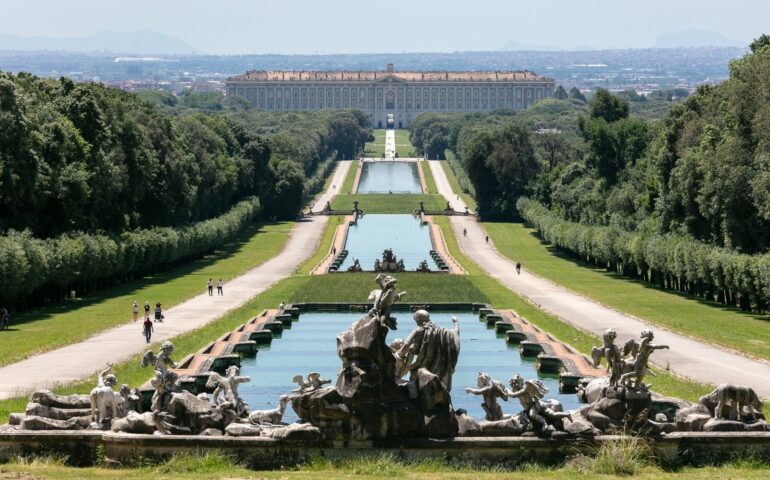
point(688, 357)
point(82, 359)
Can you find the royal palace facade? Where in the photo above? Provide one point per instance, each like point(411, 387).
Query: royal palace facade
point(400, 96)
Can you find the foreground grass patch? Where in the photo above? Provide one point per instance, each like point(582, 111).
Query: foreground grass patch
point(389, 203)
point(68, 322)
point(708, 321)
point(373, 466)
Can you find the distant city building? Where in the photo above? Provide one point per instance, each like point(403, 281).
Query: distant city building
point(404, 95)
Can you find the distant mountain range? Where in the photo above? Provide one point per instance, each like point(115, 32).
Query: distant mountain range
point(695, 38)
point(136, 42)
point(681, 39)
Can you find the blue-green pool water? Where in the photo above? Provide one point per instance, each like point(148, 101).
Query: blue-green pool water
point(389, 177)
point(310, 346)
point(405, 234)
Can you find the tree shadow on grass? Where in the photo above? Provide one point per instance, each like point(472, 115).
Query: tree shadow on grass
point(563, 255)
point(134, 286)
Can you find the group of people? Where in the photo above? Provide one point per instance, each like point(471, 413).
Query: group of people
point(147, 327)
point(220, 287)
point(486, 239)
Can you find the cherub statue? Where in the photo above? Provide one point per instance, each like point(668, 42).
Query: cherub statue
point(611, 353)
point(226, 388)
point(641, 362)
point(490, 390)
point(165, 379)
point(402, 364)
point(105, 402)
point(314, 382)
point(384, 298)
point(541, 413)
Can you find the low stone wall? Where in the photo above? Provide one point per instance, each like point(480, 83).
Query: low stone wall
point(688, 448)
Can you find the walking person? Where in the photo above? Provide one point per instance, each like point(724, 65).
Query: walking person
point(465, 232)
point(5, 319)
point(518, 268)
point(220, 286)
point(210, 284)
point(135, 309)
point(158, 312)
point(487, 239)
point(147, 329)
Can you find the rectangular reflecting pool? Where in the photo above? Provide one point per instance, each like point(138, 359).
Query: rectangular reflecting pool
point(405, 234)
point(389, 177)
point(310, 346)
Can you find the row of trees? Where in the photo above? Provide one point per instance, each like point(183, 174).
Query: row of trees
point(39, 270)
point(668, 260)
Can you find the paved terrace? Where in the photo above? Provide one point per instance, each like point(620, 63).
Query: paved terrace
point(688, 357)
point(82, 359)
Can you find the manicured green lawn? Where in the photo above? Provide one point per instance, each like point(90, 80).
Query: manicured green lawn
point(47, 328)
point(389, 203)
point(709, 321)
point(430, 182)
point(452, 178)
point(350, 178)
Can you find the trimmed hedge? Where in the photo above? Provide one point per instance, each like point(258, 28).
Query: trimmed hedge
point(50, 267)
point(669, 261)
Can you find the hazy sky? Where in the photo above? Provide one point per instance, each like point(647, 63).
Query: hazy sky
point(356, 26)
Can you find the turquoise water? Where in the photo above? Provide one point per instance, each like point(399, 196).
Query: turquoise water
point(310, 346)
point(405, 234)
point(389, 176)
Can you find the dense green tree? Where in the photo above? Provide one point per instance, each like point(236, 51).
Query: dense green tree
point(607, 106)
point(560, 93)
point(577, 94)
point(501, 163)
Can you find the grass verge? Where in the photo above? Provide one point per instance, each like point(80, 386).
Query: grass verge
point(708, 321)
point(452, 178)
point(350, 178)
point(389, 203)
point(54, 326)
point(323, 246)
point(430, 182)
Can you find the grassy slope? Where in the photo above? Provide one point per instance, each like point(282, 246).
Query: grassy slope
point(347, 185)
point(53, 326)
point(323, 247)
point(469, 200)
point(749, 333)
point(388, 203)
point(430, 182)
point(404, 147)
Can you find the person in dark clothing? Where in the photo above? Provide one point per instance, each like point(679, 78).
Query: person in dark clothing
point(518, 268)
point(158, 312)
point(5, 319)
point(147, 329)
point(487, 239)
point(146, 310)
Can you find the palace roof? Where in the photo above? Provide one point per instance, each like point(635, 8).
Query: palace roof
point(373, 76)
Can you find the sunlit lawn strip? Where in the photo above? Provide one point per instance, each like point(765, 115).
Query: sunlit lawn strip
point(389, 203)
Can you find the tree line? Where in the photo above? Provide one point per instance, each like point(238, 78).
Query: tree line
point(84, 169)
